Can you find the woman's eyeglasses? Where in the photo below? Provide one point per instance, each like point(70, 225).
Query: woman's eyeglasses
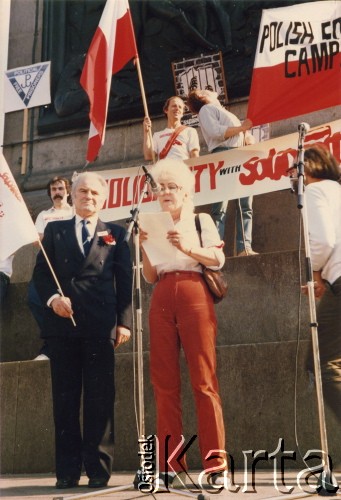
point(172, 188)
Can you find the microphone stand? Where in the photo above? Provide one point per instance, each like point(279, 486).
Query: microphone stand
point(327, 483)
point(133, 225)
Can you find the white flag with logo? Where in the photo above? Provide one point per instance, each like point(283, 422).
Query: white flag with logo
point(16, 225)
point(27, 87)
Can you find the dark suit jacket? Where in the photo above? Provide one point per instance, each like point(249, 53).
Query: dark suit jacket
point(99, 286)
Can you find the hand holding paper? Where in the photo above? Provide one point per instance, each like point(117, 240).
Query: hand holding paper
point(157, 246)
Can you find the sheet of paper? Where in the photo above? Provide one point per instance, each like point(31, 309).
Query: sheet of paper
point(157, 246)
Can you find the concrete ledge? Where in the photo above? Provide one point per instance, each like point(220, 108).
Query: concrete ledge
point(264, 303)
point(20, 339)
point(257, 384)
point(27, 431)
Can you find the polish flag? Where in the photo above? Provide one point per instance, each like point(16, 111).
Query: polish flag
point(297, 63)
point(112, 47)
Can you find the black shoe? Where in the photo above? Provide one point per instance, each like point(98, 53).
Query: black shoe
point(98, 482)
point(174, 480)
point(62, 484)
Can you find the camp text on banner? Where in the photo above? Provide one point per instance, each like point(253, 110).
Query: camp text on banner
point(297, 63)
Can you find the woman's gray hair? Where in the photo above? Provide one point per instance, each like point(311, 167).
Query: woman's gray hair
point(177, 170)
point(77, 178)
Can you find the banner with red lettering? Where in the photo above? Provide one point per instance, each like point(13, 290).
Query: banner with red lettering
point(16, 225)
point(297, 63)
point(236, 173)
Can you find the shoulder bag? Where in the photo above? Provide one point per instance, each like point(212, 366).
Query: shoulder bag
point(215, 280)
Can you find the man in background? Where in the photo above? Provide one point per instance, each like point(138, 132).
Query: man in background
point(58, 190)
point(222, 130)
point(175, 141)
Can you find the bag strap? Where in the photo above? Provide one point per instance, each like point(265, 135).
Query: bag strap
point(198, 226)
point(171, 141)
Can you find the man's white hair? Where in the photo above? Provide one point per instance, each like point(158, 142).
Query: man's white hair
point(77, 178)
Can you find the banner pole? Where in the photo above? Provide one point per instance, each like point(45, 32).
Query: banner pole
point(144, 101)
point(24, 145)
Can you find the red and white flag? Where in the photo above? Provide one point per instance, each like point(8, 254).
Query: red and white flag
point(112, 47)
point(16, 225)
point(297, 63)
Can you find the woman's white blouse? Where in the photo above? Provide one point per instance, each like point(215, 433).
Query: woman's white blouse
point(210, 239)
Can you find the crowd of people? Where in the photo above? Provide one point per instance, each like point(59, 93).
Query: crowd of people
point(87, 313)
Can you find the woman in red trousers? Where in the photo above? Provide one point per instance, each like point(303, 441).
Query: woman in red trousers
point(182, 315)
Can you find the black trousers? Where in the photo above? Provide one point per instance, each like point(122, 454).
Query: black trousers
point(83, 365)
point(4, 284)
point(329, 335)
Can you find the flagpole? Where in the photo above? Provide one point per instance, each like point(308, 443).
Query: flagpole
point(54, 276)
point(5, 14)
point(145, 107)
point(24, 145)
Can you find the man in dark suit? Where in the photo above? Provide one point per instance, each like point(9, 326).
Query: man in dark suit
point(83, 323)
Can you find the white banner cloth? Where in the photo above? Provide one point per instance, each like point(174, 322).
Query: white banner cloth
point(236, 173)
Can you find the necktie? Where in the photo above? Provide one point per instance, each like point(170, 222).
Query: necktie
point(85, 238)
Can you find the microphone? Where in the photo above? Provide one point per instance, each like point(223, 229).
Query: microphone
point(154, 186)
point(303, 128)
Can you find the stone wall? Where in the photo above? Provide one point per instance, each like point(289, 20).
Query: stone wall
point(262, 341)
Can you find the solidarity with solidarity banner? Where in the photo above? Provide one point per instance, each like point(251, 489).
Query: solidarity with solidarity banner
point(250, 170)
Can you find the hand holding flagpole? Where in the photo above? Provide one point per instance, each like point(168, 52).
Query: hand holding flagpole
point(144, 101)
point(60, 291)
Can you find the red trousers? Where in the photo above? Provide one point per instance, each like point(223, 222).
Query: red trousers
point(182, 314)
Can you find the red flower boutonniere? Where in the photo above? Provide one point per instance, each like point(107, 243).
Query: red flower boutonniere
point(109, 239)
point(106, 238)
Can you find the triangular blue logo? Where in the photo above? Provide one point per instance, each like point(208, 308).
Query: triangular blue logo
point(26, 80)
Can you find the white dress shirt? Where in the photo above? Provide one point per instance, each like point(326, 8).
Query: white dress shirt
point(91, 227)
